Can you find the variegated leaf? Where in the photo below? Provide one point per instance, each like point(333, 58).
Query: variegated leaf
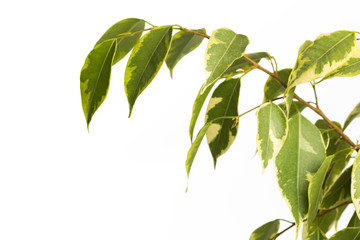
point(319, 58)
point(224, 102)
point(295, 108)
point(354, 114)
point(316, 235)
point(198, 103)
point(145, 61)
point(355, 184)
point(196, 144)
point(95, 77)
point(127, 32)
point(301, 156)
point(241, 65)
point(347, 234)
point(351, 67)
point(273, 88)
point(316, 189)
point(182, 43)
point(271, 131)
point(339, 192)
point(223, 48)
point(266, 231)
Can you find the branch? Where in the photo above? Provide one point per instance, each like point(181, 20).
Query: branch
point(315, 109)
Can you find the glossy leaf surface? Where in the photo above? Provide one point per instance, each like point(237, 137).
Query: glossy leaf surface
point(301, 156)
point(224, 102)
point(266, 231)
point(95, 77)
point(271, 131)
point(223, 48)
point(319, 58)
point(123, 31)
point(182, 44)
point(145, 61)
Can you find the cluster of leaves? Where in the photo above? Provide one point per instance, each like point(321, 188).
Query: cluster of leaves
point(313, 160)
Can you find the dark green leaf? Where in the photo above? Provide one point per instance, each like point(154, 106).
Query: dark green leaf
point(182, 44)
point(224, 102)
point(95, 77)
point(123, 31)
point(354, 221)
point(273, 88)
point(347, 234)
point(295, 108)
point(316, 235)
point(145, 61)
point(355, 184)
point(266, 231)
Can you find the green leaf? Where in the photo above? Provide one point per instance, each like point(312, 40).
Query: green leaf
point(327, 53)
point(198, 103)
point(241, 65)
point(274, 89)
point(351, 67)
point(355, 184)
point(316, 235)
point(266, 231)
point(126, 38)
point(182, 44)
point(223, 48)
point(339, 192)
point(347, 234)
point(315, 189)
point(224, 102)
point(95, 77)
point(196, 144)
point(295, 108)
point(271, 131)
point(289, 101)
point(145, 61)
point(334, 137)
point(354, 114)
point(354, 221)
point(301, 156)
point(326, 222)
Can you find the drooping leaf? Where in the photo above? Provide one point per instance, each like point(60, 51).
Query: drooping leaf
point(198, 103)
point(339, 192)
point(333, 135)
point(271, 131)
point(95, 77)
point(339, 162)
point(302, 154)
point(242, 65)
point(354, 221)
point(266, 231)
point(351, 67)
point(316, 189)
point(145, 61)
point(347, 234)
point(355, 184)
point(224, 102)
point(354, 114)
point(196, 144)
point(295, 108)
point(289, 100)
point(273, 88)
point(327, 53)
point(127, 32)
point(223, 48)
point(316, 235)
point(182, 43)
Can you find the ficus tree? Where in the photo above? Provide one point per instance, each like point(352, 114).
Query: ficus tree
point(316, 163)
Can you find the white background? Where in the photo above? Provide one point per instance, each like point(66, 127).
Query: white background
point(126, 178)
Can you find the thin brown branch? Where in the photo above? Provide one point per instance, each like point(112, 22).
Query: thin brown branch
point(333, 208)
point(278, 234)
point(195, 32)
point(315, 109)
point(315, 94)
